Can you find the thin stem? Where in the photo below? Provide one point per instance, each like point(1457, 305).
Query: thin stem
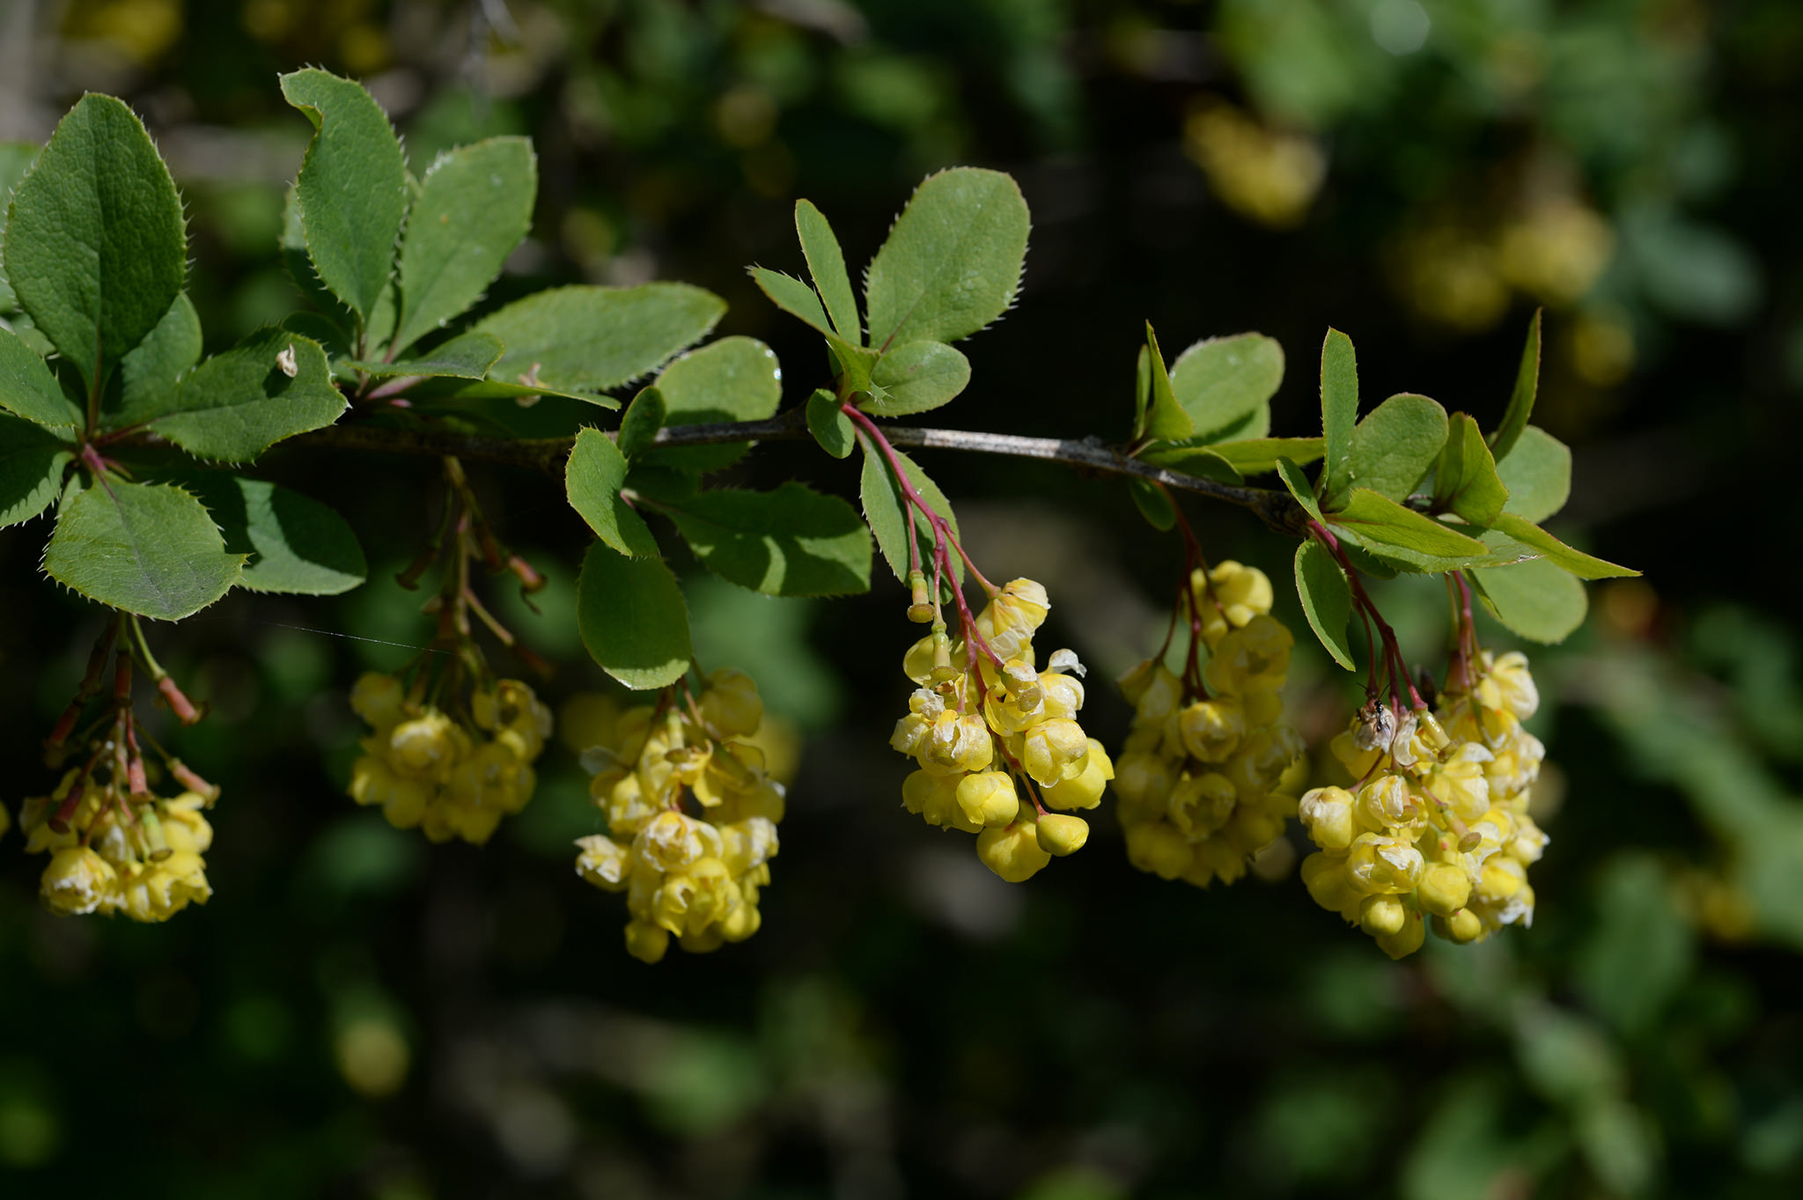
point(1392, 651)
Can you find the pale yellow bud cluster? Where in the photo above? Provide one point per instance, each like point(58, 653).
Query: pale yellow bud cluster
point(980, 732)
point(1436, 826)
point(450, 777)
point(140, 857)
point(692, 878)
point(1200, 778)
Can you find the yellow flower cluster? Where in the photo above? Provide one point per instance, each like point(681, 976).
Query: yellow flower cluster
point(451, 778)
point(145, 864)
point(1437, 824)
point(977, 728)
point(695, 879)
point(1200, 774)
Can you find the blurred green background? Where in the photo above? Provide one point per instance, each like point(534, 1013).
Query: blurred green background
point(359, 1014)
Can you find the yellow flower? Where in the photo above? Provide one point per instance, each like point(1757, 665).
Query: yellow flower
point(1060, 834)
point(604, 862)
point(1327, 815)
point(1084, 790)
point(988, 798)
point(76, 881)
point(1013, 852)
point(731, 704)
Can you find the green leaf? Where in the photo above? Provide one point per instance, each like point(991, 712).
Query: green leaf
point(633, 618)
point(1299, 487)
point(826, 265)
point(150, 373)
point(474, 207)
point(789, 542)
point(829, 424)
point(887, 513)
point(352, 190)
point(1584, 566)
point(1326, 598)
point(639, 426)
point(149, 549)
point(95, 246)
point(1339, 415)
point(296, 544)
point(31, 469)
point(793, 297)
point(450, 390)
point(917, 377)
point(1521, 401)
point(1222, 382)
point(1153, 502)
point(1396, 444)
point(15, 159)
point(1166, 420)
point(1640, 950)
point(1378, 519)
point(592, 478)
point(1465, 480)
point(467, 356)
point(1499, 551)
point(292, 247)
point(28, 389)
point(1538, 600)
point(1254, 456)
point(952, 261)
point(733, 379)
point(1537, 474)
point(236, 405)
point(1192, 459)
point(584, 338)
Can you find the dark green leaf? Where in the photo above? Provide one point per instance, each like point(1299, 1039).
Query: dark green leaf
point(733, 379)
point(633, 618)
point(149, 549)
point(1326, 598)
point(1196, 460)
point(453, 391)
point(1537, 474)
point(31, 469)
point(293, 250)
point(594, 338)
point(1537, 600)
point(789, 542)
point(792, 296)
point(1582, 565)
point(1339, 415)
point(15, 159)
point(1255, 456)
point(1499, 551)
point(468, 356)
point(150, 373)
point(28, 389)
point(296, 544)
point(1166, 420)
point(826, 264)
point(593, 477)
point(1299, 486)
point(1465, 480)
point(952, 261)
point(639, 426)
point(236, 405)
point(474, 206)
point(1153, 502)
point(1378, 519)
point(95, 246)
point(1396, 444)
point(917, 377)
point(1521, 400)
point(352, 190)
point(829, 424)
point(1222, 383)
point(888, 514)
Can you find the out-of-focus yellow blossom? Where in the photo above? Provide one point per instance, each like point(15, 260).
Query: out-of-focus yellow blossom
point(1267, 175)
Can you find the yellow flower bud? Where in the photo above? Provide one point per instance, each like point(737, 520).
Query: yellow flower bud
point(1327, 815)
point(1382, 916)
point(1358, 762)
point(1253, 827)
point(1328, 883)
point(742, 922)
point(1406, 941)
point(1378, 863)
point(1462, 926)
point(1012, 852)
point(1444, 889)
point(378, 699)
point(1143, 779)
point(1386, 803)
point(1053, 751)
point(1060, 834)
point(731, 703)
point(646, 942)
point(1201, 804)
point(988, 798)
point(424, 747)
point(934, 798)
point(1085, 790)
point(76, 881)
point(1158, 848)
point(1211, 729)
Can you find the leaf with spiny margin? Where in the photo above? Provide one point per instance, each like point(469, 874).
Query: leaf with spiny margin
point(150, 374)
point(1500, 550)
point(468, 356)
point(917, 377)
point(829, 424)
point(640, 423)
point(353, 190)
point(1396, 444)
point(1339, 416)
point(1166, 419)
point(1153, 502)
point(1255, 456)
point(28, 389)
point(149, 549)
point(584, 338)
point(1584, 566)
point(292, 246)
point(1326, 598)
point(96, 248)
point(1538, 600)
point(952, 261)
point(1201, 461)
point(1225, 384)
point(1537, 474)
point(474, 207)
point(734, 379)
point(1521, 400)
point(31, 469)
point(236, 405)
point(888, 512)
point(632, 618)
point(793, 297)
point(592, 478)
point(297, 546)
point(789, 542)
point(15, 159)
point(1379, 520)
point(1465, 480)
point(826, 266)
point(1299, 487)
